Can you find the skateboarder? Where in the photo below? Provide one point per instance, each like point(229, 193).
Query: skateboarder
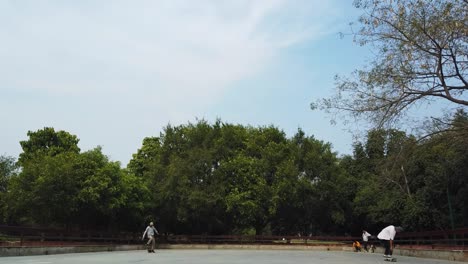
point(372, 248)
point(386, 236)
point(150, 231)
point(365, 239)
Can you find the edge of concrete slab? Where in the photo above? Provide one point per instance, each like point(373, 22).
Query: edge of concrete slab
point(453, 255)
point(257, 247)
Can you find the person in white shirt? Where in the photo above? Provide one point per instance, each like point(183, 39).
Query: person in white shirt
point(365, 239)
point(150, 231)
point(387, 235)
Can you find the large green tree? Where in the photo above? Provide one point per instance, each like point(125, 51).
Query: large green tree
point(179, 168)
point(439, 175)
point(417, 184)
point(47, 142)
point(222, 178)
point(44, 189)
point(60, 186)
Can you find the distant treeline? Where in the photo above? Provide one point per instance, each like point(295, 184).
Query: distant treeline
point(222, 178)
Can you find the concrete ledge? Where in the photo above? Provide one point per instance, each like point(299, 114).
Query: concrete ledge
point(257, 247)
point(454, 255)
point(29, 251)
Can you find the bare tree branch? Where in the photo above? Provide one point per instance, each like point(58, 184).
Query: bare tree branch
point(421, 51)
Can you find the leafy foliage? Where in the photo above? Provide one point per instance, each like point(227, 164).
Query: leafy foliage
point(60, 186)
point(225, 178)
point(221, 178)
point(420, 186)
point(8, 169)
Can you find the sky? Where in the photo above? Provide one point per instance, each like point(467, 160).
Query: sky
point(115, 72)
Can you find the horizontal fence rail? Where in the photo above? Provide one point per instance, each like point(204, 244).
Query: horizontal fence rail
point(17, 236)
point(233, 239)
point(34, 236)
point(456, 239)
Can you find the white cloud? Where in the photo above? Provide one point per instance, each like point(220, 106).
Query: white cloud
point(115, 71)
point(160, 48)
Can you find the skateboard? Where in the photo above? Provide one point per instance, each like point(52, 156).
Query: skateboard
point(392, 259)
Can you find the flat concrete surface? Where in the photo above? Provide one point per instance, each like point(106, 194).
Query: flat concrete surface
point(173, 256)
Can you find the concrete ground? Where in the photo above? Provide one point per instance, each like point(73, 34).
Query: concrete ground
point(216, 256)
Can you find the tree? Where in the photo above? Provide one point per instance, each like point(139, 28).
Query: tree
point(106, 195)
point(49, 142)
point(231, 179)
point(60, 186)
point(311, 189)
point(248, 196)
point(179, 167)
point(421, 182)
point(45, 192)
point(43, 189)
point(376, 176)
point(8, 169)
point(146, 158)
point(421, 56)
point(440, 169)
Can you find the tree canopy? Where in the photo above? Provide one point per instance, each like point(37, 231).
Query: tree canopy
point(202, 178)
point(225, 178)
point(59, 185)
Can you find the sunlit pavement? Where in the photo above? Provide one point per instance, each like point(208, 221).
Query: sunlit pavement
point(216, 256)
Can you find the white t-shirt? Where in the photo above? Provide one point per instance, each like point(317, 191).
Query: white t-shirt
point(150, 230)
point(365, 236)
point(387, 233)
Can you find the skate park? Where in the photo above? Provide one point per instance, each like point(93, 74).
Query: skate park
point(56, 246)
point(211, 256)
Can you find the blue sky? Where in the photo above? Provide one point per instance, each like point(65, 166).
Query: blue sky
point(114, 72)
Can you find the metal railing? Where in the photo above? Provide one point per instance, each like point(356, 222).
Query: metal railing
point(11, 236)
point(36, 236)
point(456, 239)
point(244, 239)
